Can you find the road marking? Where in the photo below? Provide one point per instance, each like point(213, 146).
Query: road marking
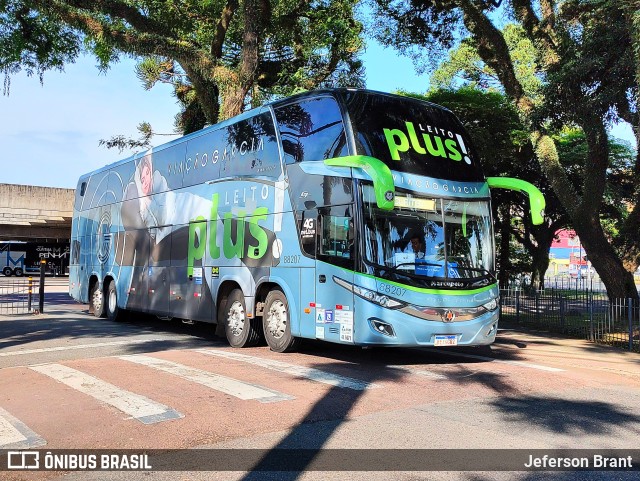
point(294, 370)
point(503, 361)
point(138, 407)
point(240, 389)
point(79, 346)
point(420, 372)
point(16, 435)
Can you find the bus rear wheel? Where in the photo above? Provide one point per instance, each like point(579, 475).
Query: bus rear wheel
point(276, 323)
point(18, 272)
point(96, 298)
point(114, 313)
point(241, 331)
point(7, 271)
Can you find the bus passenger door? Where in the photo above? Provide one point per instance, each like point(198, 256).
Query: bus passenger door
point(334, 274)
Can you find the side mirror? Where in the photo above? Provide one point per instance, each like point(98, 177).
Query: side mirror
point(383, 185)
point(536, 199)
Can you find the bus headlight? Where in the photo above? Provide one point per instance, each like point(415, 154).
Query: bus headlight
point(492, 305)
point(371, 296)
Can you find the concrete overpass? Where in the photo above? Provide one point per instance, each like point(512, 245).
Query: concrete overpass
point(35, 213)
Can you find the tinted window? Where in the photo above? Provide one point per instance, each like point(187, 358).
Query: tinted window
point(167, 168)
point(309, 191)
point(311, 130)
point(203, 156)
point(119, 178)
point(308, 229)
point(251, 148)
point(412, 136)
point(95, 193)
point(336, 245)
point(81, 190)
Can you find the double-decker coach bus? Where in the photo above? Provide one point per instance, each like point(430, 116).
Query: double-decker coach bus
point(350, 216)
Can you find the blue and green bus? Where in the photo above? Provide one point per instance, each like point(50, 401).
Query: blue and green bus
point(345, 215)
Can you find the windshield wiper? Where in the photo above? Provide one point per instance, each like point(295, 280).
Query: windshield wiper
point(394, 269)
point(481, 270)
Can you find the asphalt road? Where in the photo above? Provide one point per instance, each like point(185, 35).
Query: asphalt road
point(70, 381)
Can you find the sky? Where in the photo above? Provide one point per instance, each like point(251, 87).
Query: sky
point(50, 133)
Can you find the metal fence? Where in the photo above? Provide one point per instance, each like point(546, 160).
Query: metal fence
point(18, 295)
point(585, 314)
point(577, 284)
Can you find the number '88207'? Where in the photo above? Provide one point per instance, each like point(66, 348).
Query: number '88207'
point(391, 290)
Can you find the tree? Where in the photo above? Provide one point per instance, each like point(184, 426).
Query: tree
point(587, 64)
point(220, 55)
point(502, 142)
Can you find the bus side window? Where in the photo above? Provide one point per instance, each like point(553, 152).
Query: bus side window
point(311, 130)
point(309, 234)
point(336, 236)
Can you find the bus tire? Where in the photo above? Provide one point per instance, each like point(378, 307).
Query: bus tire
point(113, 312)
point(276, 323)
point(18, 272)
point(7, 271)
point(96, 298)
point(240, 330)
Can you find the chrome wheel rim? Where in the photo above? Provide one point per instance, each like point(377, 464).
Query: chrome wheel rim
point(235, 318)
point(277, 319)
point(96, 298)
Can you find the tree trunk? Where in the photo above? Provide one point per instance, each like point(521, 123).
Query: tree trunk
point(582, 209)
point(537, 240)
point(618, 281)
point(503, 223)
point(235, 96)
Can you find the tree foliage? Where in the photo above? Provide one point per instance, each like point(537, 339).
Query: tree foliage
point(586, 53)
point(33, 43)
point(220, 56)
point(502, 142)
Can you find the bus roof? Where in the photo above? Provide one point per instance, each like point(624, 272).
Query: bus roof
point(338, 93)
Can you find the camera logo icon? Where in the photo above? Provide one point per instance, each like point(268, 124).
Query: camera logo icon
point(23, 460)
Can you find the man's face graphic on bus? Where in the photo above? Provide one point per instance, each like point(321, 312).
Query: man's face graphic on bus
point(146, 177)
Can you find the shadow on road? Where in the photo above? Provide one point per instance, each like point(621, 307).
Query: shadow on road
point(75, 324)
point(566, 416)
point(312, 435)
point(494, 381)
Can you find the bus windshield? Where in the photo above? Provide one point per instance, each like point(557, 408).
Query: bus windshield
point(429, 241)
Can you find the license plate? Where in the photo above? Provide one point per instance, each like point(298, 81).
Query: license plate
point(446, 340)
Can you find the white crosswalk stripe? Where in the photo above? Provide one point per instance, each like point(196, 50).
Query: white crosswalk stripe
point(138, 407)
point(241, 390)
point(16, 435)
point(420, 372)
point(294, 370)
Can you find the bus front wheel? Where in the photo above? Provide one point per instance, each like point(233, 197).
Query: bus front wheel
point(97, 300)
point(241, 331)
point(276, 323)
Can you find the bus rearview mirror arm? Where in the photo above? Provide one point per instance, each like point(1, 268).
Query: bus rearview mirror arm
point(383, 185)
point(536, 199)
